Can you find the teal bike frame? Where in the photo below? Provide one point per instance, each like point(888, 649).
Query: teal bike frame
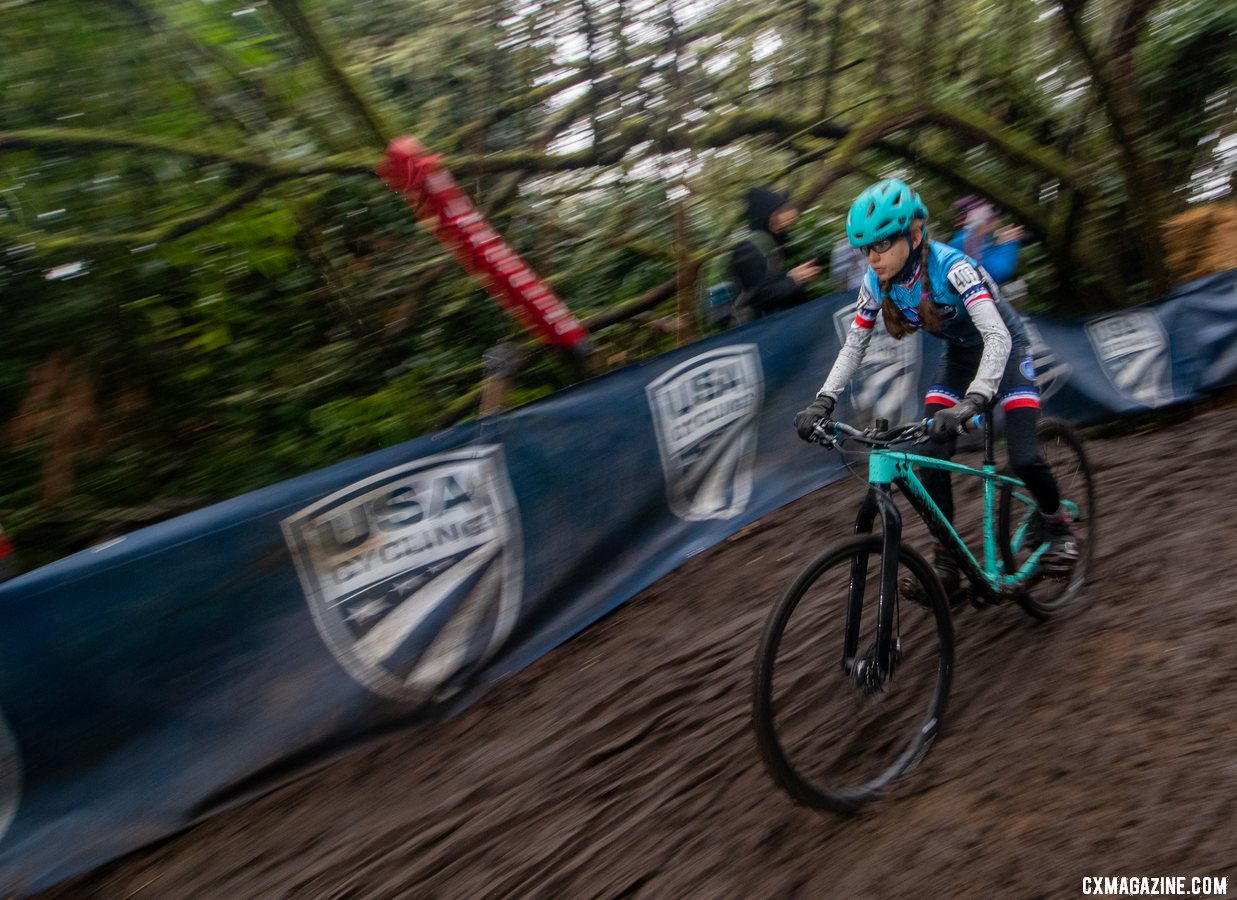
point(894, 467)
point(994, 574)
point(995, 578)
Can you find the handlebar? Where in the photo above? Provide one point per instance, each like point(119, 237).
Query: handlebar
point(830, 433)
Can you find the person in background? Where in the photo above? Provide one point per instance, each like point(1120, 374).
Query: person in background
point(757, 263)
point(846, 266)
point(983, 239)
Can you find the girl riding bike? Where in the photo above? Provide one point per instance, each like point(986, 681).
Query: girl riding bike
point(914, 283)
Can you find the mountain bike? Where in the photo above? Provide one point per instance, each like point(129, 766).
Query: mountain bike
point(852, 679)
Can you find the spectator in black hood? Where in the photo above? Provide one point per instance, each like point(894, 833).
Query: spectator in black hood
point(756, 263)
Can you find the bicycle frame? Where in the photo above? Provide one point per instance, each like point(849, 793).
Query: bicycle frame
point(889, 467)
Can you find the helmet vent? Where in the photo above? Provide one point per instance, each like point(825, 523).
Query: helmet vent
point(884, 210)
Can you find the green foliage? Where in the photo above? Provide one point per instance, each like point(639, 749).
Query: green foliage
point(1187, 65)
point(164, 355)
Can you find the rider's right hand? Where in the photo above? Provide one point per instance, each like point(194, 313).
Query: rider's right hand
point(949, 422)
point(820, 411)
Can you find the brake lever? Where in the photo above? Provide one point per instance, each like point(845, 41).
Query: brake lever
point(821, 435)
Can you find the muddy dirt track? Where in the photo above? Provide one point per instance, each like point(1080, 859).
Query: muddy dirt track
point(623, 765)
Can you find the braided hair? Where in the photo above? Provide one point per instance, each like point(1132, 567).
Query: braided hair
point(896, 322)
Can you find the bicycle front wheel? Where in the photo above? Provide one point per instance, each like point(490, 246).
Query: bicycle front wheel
point(829, 737)
point(1050, 598)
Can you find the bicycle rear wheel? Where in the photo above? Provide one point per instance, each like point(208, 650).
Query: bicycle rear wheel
point(1049, 598)
point(826, 738)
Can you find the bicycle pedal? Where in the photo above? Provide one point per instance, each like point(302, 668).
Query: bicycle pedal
point(1058, 571)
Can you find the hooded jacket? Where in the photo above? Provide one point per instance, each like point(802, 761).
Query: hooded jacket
point(760, 275)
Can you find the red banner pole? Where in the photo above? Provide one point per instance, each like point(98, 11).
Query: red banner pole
point(412, 171)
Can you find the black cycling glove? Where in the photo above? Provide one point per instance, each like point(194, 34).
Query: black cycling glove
point(949, 422)
point(820, 411)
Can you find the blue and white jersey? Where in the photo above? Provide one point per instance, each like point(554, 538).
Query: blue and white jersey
point(970, 310)
point(958, 283)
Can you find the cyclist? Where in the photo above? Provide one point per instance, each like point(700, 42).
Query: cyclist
point(914, 283)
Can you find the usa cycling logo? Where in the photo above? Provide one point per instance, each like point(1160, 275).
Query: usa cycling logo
point(414, 576)
point(1049, 371)
point(886, 384)
point(1133, 351)
point(10, 776)
point(704, 413)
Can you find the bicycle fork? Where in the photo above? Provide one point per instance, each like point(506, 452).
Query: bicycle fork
point(877, 665)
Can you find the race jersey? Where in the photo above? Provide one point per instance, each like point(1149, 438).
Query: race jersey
point(958, 283)
point(970, 310)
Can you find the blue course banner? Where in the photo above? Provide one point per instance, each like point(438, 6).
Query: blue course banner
point(152, 681)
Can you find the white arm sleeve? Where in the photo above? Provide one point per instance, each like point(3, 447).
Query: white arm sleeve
point(849, 358)
point(996, 349)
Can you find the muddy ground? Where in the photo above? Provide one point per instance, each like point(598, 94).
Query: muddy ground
point(623, 765)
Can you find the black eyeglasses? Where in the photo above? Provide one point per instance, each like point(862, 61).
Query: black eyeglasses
point(880, 246)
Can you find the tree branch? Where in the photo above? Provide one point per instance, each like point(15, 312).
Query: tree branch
point(872, 131)
point(92, 139)
point(1118, 97)
point(1072, 13)
point(373, 125)
point(646, 301)
point(510, 107)
point(80, 242)
point(833, 54)
point(1127, 26)
point(193, 48)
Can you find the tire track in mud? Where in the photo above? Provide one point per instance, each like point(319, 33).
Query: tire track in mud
point(622, 764)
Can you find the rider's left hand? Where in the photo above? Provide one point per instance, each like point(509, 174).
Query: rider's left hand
point(949, 422)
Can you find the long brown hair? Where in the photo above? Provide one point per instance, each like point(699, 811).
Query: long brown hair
point(896, 322)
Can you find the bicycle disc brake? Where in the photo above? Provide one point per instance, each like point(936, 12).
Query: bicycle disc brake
point(868, 675)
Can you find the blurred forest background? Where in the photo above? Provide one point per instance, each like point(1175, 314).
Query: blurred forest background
point(206, 289)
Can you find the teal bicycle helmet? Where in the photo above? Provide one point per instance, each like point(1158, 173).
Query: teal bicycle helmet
point(883, 210)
